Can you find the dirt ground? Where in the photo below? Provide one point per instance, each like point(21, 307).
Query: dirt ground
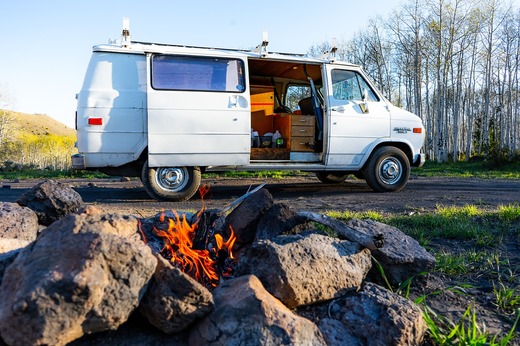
point(447, 295)
point(301, 192)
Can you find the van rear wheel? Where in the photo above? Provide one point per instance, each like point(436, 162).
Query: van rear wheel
point(171, 183)
point(388, 169)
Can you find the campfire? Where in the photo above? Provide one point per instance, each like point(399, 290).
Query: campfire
point(195, 244)
point(251, 270)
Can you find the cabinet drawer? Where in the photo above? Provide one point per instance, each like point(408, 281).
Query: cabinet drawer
point(302, 143)
point(302, 131)
point(303, 120)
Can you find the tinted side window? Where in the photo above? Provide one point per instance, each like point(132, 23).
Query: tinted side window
point(173, 72)
point(349, 85)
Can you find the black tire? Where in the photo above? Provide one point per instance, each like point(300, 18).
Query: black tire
point(359, 175)
point(387, 170)
point(171, 183)
point(332, 177)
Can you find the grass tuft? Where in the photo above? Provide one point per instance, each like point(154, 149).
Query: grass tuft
point(506, 298)
point(465, 332)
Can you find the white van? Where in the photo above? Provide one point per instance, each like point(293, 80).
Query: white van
point(167, 113)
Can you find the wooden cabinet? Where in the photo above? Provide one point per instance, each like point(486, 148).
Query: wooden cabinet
point(262, 99)
point(297, 131)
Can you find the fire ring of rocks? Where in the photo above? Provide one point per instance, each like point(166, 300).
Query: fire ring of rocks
point(254, 272)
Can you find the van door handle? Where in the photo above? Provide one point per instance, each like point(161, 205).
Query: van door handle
point(340, 109)
point(233, 101)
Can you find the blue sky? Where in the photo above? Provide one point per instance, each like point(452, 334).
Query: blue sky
point(46, 45)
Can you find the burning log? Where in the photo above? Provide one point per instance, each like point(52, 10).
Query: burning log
point(210, 222)
point(200, 245)
point(370, 242)
point(236, 202)
point(214, 221)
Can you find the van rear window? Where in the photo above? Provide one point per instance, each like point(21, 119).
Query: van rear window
point(174, 72)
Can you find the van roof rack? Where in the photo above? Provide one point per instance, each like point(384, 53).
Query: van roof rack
point(211, 48)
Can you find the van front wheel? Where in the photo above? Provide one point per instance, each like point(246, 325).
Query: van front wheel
point(171, 183)
point(388, 170)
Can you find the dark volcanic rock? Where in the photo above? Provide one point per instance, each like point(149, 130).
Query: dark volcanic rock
point(246, 314)
point(374, 316)
point(306, 268)
point(401, 257)
point(279, 219)
point(17, 222)
point(84, 274)
point(174, 300)
point(51, 201)
point(244, 218)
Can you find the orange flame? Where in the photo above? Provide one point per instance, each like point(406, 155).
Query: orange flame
point(203, 191)
point(228, 245)
point(140, 228)
point(178, 246)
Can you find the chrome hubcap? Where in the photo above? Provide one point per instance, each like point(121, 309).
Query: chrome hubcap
point(390, 170)
point(172, 179)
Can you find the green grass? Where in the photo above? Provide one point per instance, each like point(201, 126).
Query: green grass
point(49, 174)
point(467, 331)
point(467, 223)
point(473, 169)
point(463, 262)
point(509, 213)
point(485, 228)
point(461, 223)
point(33, 173)
point(347, 215)
point(506, 298)
point(255, 174)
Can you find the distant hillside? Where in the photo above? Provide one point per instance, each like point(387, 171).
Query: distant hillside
point(39, 124)
point(35, 141)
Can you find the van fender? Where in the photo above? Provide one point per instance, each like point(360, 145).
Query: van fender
point(402, 144)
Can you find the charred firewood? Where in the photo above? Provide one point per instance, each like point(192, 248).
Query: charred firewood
point(205, 228)
point(198, 244)
point(368, 241)
point(211, 222)
point(228, 208)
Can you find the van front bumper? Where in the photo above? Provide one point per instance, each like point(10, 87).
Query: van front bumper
point(420, 160)
point(78, 161)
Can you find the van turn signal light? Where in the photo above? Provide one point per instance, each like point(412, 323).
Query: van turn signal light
point(95, 121)
point(417, 130)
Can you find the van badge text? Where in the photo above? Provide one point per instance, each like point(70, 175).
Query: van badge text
point(402, 129)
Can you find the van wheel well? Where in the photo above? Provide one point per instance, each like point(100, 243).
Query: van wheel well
point(130, 169)
point(399, 145)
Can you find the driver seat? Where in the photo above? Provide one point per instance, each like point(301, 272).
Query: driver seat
point(306, 106)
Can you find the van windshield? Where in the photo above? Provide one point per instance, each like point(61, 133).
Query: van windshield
point(174, 72)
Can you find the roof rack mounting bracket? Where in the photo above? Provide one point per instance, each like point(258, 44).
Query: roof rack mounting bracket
point(262, 47)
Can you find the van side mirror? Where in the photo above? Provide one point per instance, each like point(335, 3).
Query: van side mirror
point(364, 98)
